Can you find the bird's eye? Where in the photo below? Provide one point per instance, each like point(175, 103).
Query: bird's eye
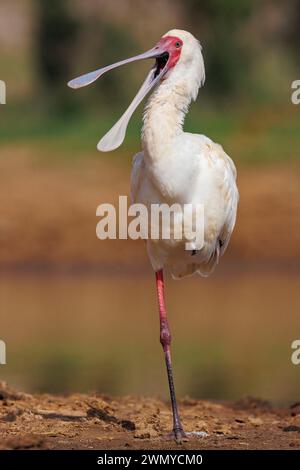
point(177, 44)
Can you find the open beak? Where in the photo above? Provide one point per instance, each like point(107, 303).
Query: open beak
point(114, 138)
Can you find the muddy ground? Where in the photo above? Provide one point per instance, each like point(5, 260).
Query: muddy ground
point(103, 422)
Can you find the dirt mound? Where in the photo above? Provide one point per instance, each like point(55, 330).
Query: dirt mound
point(101, 422)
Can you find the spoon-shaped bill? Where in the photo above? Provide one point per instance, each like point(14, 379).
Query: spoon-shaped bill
point(91, 77)
point(115, 136)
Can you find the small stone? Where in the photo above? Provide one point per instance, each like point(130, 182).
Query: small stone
point(255, 421)
point(142, 435)
point(223, 430)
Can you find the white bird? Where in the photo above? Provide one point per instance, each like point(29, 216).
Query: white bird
point(176, 167)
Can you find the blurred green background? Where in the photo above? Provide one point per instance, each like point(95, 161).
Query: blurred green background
point(80, 314)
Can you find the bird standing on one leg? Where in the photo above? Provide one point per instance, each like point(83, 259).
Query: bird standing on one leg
point(176, 167)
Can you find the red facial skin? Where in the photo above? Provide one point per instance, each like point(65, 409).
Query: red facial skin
point(173, 46)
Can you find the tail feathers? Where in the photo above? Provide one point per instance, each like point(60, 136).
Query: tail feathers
point(179, 271)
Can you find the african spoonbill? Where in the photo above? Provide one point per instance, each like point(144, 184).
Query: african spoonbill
point(176, 167)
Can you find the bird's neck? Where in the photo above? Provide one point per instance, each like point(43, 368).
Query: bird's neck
point(163, 119)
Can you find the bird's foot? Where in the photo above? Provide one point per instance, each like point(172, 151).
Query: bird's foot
point(179, 436)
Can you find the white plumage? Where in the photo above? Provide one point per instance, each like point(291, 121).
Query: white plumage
point(180, 167)
point(176, 167)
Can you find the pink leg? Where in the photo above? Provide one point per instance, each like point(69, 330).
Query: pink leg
point(165, 340)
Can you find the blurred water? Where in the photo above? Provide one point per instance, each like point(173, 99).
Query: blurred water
point(232, 334)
